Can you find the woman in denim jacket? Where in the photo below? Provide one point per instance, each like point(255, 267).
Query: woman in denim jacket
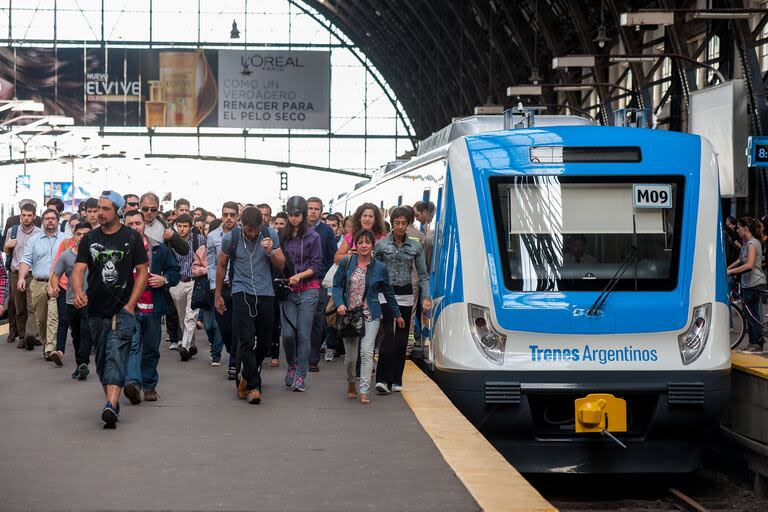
point(357, 283)
point(401, 255)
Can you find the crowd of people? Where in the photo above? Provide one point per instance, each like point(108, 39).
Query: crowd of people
point(117, 270)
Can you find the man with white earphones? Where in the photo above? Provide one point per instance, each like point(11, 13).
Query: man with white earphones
point(253, 248)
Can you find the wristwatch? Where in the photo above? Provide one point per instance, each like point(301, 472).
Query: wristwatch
point(166, 280)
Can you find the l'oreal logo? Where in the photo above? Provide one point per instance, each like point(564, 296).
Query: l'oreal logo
point(270, 61)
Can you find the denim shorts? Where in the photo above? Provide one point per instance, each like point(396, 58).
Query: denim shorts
point(112, 346)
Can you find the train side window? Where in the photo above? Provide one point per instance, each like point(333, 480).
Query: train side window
point(399, 200)
point(425, 195)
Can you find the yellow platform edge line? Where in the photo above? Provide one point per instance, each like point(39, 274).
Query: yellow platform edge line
point(750, 363)
point(494, 483)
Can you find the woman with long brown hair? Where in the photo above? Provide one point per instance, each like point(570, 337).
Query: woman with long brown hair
point(367, 217)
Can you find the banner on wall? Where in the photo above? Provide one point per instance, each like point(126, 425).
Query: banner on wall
point(167, 88)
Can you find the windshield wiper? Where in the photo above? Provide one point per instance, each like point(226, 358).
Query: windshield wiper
point(597, 306)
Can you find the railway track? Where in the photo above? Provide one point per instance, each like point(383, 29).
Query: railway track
point(705, 492)
point(675, 500)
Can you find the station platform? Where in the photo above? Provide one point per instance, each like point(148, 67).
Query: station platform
point(199, 448)
point(746, 421)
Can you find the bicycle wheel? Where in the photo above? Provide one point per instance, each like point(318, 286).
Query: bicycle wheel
point(738, 323)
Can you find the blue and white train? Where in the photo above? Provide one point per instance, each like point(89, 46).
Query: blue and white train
point(574, 264)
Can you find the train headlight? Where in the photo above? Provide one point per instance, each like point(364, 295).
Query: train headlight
point(488, 338)
point(693, 340)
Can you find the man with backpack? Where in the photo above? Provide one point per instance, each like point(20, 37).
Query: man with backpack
point(16, 239)
point(182, 292)
point(254, 249)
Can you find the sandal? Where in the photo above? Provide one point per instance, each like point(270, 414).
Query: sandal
point(364, 399)
point(351, 391)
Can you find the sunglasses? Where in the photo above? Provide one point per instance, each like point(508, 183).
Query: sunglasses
point(132, 204)
point(146, 209)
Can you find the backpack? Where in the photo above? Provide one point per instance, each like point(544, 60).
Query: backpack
point(9, 258)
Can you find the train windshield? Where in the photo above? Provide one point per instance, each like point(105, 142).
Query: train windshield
point(575, 233)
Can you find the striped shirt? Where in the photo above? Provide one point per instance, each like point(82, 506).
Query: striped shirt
point(185, 262)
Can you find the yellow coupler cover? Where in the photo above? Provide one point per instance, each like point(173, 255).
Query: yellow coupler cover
point(601, 411)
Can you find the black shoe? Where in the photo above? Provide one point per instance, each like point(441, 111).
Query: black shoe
point(75, 374)
point(82, 371)
point(22, 343)
point(109, 416)
point(193, 350)
point(38, 343)
point(184, 354)
point(29, 342)
point(231, 373)
point(47, 356)
point(133, 393)
point(314, 368)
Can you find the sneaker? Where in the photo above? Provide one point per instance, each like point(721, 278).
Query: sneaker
point(109, 415)
point(314, 368)
point(329, 355)
point(231, 373)
point(299, 385)
point(57, 357)
point(382, 388)
point(290, 376)
point(75, 374)
point(47, 356)
point(82, 371)
point(215, 362)
point(193, 350)
point(150, 395)
point(184, 354)
point(174, 346)
point(29, 342)
point(396, 388)
point(133, 393)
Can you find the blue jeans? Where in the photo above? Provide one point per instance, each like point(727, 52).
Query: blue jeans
point(112, 346)
point(208, 317)
point(298, 309)
point(144, 353)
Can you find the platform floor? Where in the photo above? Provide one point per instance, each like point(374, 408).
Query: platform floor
point(199, 448)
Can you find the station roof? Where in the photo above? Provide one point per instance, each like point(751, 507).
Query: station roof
point(435, 54)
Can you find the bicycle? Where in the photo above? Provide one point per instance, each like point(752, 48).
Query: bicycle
point(739, 315)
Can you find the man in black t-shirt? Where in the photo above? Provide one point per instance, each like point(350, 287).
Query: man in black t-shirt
point(110, 253)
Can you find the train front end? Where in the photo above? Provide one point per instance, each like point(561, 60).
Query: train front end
point(581, 317)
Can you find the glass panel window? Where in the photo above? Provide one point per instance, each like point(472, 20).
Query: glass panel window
point(564, 233)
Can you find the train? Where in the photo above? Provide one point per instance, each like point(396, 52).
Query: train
point(580, 303)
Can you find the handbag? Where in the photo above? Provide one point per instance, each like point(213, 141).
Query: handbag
point(330, 308)
point(328, 279)
point(352, 325)
point(202, 296)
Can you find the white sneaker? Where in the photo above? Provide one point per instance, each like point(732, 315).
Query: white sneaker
point(396, 388)
point(329, 355)
point(174, 346)
point(382, 388)
point(215, 363)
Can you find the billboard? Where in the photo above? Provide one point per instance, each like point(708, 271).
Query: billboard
point(173, 87)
